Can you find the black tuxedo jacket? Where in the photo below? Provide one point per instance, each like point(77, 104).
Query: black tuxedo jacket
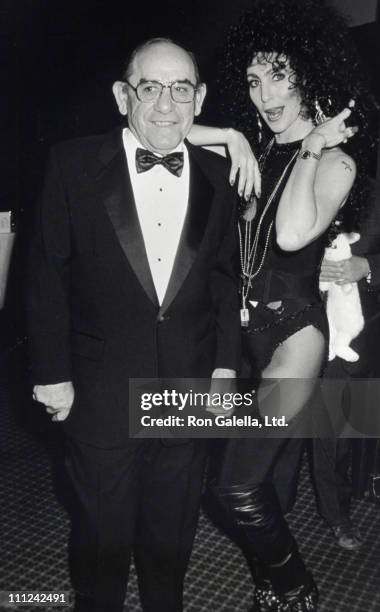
point(93, 312)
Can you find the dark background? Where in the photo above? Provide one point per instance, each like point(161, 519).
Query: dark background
point(59, 59)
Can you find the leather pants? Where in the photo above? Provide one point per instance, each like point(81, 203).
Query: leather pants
point(256, 512)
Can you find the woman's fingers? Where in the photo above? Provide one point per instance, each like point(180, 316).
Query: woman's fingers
point(257, 180)
point(252, 183)
point(233, 173)
point(334, 130)
point(242, 178)
point(249, 183)
point(248, 176)
point(343, 115)
point(351, 131)
point(244, 167)
point(348, 132)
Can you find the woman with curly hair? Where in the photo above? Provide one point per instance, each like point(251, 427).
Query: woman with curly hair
point(291, 80)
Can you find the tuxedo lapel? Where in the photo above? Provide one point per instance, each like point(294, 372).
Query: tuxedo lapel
point(115, 190)
point(200, 199)
point(119, 201)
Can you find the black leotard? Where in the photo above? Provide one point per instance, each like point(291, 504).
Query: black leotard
point(288, 277)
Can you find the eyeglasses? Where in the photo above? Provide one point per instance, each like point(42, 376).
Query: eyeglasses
point(149, 91)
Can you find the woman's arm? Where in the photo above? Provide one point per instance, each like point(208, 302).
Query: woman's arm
point(240, 152)
point(316, 188)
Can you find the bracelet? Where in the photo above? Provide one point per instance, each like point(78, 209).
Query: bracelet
point(306, 154)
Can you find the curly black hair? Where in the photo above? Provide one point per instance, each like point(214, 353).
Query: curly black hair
point(316, 42)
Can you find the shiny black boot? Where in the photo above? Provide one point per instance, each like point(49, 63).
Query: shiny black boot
point(287, 586)
point(264, 597)
point(302, 599)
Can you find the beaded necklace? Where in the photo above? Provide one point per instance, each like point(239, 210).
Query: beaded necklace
point(248, 247)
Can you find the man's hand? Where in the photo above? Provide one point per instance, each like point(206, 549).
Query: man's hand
point(57, 398)
point(219, 387)
point(345, 271)
point(223, 373)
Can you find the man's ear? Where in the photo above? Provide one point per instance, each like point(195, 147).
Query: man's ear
point(121, 97)
point(200, 95)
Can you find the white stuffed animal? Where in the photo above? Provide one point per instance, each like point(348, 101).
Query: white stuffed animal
point(344, 310)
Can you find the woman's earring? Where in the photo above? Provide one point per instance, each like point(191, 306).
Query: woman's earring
point(259, 128)
point(319, 116)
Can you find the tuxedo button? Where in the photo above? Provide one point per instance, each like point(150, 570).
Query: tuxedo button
point(162, 318)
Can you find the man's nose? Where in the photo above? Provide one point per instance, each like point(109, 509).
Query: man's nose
point(164, 102)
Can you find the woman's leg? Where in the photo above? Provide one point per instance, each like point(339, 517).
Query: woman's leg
point(245, 486)
point(295, 365)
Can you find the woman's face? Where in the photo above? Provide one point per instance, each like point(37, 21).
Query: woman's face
point(272, 90)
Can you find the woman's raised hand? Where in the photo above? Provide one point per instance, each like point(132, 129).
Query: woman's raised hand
point(244, 163)
point(333, 131)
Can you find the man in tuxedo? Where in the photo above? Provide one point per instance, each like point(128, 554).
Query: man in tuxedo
point(132, 275)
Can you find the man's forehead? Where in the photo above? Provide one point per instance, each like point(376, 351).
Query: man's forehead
point(163, 59)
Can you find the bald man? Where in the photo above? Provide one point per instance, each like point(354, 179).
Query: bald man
point(132, 276)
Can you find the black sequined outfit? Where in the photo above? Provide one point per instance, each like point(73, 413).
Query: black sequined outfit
point(287, 277)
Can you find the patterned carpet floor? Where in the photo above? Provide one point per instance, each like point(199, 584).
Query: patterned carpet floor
point(34, 528)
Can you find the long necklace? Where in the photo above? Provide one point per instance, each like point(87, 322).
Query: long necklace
point(248, 248)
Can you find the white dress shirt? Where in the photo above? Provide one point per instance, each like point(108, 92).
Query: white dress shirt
point(161, 201)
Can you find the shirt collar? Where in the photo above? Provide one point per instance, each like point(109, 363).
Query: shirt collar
point(131, 144)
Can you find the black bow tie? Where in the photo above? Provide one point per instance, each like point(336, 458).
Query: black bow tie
point(145, 160)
